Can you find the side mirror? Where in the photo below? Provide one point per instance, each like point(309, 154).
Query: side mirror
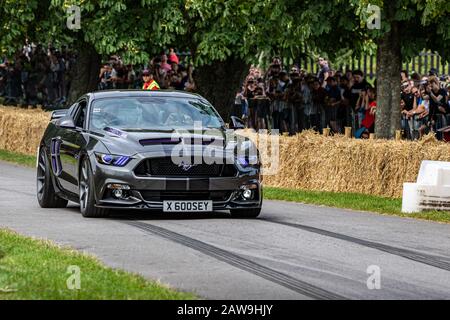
point(66, 123)
point(236, 123)
point(58, 114)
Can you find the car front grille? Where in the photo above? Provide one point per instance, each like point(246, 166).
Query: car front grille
point(165, 167)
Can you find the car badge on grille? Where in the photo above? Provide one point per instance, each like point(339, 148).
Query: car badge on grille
point(186, 166)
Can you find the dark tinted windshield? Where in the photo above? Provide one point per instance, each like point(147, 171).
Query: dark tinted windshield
point(152, 113)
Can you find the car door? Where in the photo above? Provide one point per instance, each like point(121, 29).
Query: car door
point(71, 145)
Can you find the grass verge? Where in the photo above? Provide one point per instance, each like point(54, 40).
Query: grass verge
point(354, 201)
point(37, 269)
point(19, 158)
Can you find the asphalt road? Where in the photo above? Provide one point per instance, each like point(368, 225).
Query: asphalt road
point(292, 251)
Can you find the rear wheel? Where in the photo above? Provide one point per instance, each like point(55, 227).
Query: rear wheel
point(87, 196)
point(46, 194)
point(245, 213)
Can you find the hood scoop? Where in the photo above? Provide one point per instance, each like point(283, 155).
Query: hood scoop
point(156, 141)
point(173, 141)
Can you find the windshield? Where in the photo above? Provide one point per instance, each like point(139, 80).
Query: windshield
point(150, 113)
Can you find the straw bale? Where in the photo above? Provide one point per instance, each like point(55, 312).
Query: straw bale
point(22, 129)
point(310, 161)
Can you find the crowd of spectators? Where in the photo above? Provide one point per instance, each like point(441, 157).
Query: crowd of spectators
point(425, 105)
point(36, 75)
point(294, 100)
point(39, 75)
point(288, 100)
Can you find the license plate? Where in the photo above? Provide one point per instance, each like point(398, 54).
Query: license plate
point(188, 206)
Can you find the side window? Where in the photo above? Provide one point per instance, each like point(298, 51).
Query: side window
point(81, 115)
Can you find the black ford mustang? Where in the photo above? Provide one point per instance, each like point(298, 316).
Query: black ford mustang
point(154, 150)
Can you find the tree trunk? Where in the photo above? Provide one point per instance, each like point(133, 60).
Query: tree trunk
point(219, 81)
point(389, 63)
point(84, 77)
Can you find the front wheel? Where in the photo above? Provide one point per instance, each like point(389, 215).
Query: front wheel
point(87, 196)
point(46, 194)
point(245, 213)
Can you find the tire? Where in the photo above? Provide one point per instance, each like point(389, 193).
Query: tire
point(245, 213)
point(45, 191)
point(87, 193)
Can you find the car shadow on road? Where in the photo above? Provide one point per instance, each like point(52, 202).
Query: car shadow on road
point(123, 214)
point(156, 215)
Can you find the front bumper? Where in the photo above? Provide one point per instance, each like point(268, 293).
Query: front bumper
point(137, 202)
point(201, 188)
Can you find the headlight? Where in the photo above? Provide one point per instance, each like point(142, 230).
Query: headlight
point(247, 162)
point(246, 156)
point(112, 160)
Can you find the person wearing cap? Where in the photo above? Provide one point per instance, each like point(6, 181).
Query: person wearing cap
point(149, 82)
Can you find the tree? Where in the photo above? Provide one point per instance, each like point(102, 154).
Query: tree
point(408, 27)
point(225, 36)
point(133, 29)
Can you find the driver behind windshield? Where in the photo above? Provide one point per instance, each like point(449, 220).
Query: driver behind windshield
point(174, 118)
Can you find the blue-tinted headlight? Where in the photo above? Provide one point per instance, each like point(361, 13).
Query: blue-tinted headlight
point(112, 160)
point(247, 161)
point(106, 158)
point(243, 161)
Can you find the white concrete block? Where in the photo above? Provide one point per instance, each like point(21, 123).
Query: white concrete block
point(432, 189)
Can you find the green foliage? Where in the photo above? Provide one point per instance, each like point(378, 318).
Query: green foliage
point(423, 25)
point(331, 26)
point(216, 29)
point(15, 16)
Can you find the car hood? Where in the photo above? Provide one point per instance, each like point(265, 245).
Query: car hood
point(130, 142)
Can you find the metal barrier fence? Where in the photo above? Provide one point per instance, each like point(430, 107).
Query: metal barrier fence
point(420, 64)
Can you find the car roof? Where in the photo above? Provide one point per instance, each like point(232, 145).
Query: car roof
point(143, 93)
